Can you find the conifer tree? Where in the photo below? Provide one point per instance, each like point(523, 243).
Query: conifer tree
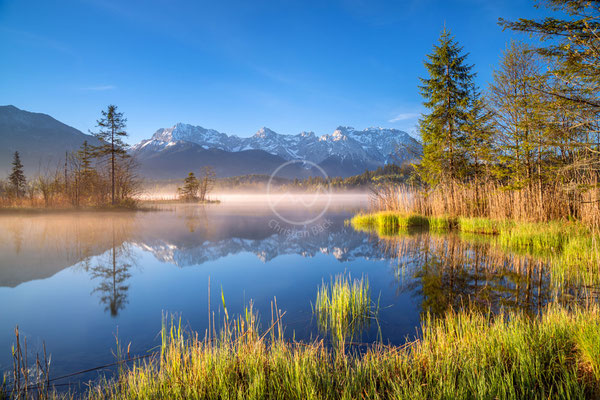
point(450, 95)
point(190, 188)
point(17, 177)
point(572, 48)
point(111, 131)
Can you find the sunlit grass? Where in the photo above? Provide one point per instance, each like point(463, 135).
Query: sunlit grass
point(442, 223)
point(484, 226)
point(344, 307)
point(573, 252)
point(462, 355)
point(388, 223)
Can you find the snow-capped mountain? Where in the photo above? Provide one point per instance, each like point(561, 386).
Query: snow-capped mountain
point(346, 151)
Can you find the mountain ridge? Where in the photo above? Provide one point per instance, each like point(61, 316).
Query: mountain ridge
point(172, 152)
point(344, 152)
point(40, 139)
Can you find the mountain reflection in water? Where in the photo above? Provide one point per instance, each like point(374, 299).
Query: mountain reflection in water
point(75, 280)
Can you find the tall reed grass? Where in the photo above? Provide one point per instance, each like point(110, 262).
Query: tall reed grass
point(492, 200)
point(461, 355)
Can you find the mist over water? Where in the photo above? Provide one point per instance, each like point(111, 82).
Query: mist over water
point(74, 280)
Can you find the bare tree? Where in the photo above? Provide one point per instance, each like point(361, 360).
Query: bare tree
point(207, 182)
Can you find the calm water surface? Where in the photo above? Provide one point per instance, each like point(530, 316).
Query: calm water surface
point(76, 281)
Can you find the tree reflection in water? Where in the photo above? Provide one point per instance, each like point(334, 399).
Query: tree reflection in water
point(112, 270)
point(449, 272)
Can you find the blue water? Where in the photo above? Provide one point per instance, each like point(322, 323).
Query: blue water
point(79, 281)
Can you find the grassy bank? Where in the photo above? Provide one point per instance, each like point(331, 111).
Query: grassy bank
point(572, 249)
point(463, 355)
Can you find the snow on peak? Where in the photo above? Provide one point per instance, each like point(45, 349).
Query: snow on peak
point(265, 132)
point(376, 146)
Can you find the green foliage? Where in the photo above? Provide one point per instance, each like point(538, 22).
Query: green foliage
point(480, 225)
point(442, 223)
point(455, 117)
point(191, 186)
point(388, 223)
point(570, 45)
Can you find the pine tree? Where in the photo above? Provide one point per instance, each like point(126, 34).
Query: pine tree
point(481, 150)
point(17, 177)
point(450, 95)
point(111, 129)
point(190, 188)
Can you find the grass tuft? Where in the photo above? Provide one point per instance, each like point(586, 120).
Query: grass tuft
point(344, 307)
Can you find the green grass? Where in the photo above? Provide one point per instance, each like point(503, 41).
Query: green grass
point(344, 307)
point(541, 237)
point(571, 249)
point(463, 355)
point(442, 223)
point(388, 223)
point(483, 226)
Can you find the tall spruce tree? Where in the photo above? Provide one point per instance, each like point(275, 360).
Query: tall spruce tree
point(17, 176)
point(111, 131)
point(451, 97)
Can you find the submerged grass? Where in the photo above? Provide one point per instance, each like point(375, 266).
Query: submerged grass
point(344, 307)
point(463, 355)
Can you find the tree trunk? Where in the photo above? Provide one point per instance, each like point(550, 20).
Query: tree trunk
point(112, 153)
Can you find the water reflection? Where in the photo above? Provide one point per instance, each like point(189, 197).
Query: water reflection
point(76, 279)
point(38, 246)
point(451, 271)
point(111, 270)
point(441, 271)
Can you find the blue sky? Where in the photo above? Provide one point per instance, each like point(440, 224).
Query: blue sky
point(236, 66)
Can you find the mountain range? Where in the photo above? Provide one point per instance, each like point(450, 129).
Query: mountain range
point(345, 152)
point(172, 152)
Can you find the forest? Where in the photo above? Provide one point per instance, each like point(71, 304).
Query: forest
point(527, 146)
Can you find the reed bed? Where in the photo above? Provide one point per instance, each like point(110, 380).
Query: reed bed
point(344, 307)
point(462, 355)
point(488, 199)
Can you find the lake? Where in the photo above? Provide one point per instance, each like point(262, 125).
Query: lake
point(76, 281)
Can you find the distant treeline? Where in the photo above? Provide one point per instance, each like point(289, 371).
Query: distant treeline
point(390, 173)
point(97, 174)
